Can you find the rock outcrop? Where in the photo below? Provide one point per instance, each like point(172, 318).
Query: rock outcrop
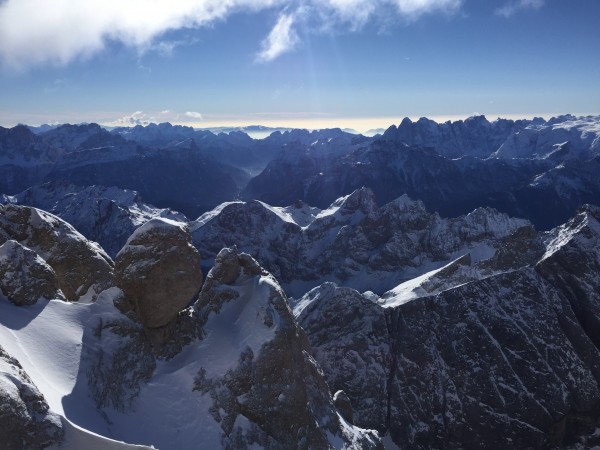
point(273, 395)
point(82, 268)
point(24, 276)
point(351, 341)
point(25, 419)
point(158, 269)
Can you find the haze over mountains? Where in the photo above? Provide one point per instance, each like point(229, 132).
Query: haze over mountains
point(433, 286)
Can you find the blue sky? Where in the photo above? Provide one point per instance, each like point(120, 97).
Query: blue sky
point(308, 63)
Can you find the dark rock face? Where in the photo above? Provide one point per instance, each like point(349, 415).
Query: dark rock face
point(572, 264)
point(275, 385)
point(492, 361)
point(25, 276)
point(25, 419)
point(82, 268)
point(510, 359)
point(350, 340)
point(158, 269)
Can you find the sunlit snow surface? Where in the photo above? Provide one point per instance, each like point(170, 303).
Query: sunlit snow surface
point(47, 339)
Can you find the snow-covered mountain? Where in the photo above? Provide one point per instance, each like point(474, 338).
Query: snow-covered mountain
point(453, 168)
point(180, 176)
point(475, 136)
point(231, 146)
point(497, 345)
point(502, 138)
point(105, 215)
point(507, 360)
point(353, 242)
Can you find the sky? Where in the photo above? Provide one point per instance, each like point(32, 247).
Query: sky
point(302, 63)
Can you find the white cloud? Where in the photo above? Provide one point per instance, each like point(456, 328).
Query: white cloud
point(415, 8)
point(359, 12)
point(281, 39)
point(56, 32)
point(327, 15)
point(514, 6)
point(35, 32)
point(131, 120)
point(194, 115)
point(147, 117)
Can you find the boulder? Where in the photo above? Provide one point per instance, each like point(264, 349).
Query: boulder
point(158, 269)
point(25, 276)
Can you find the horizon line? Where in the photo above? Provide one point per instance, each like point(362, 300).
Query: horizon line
point(359, 124)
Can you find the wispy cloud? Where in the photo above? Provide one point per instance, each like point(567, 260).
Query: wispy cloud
point(70, 30)
point(194, 115)
point(329, 15)
point(514, 6)
point(281, 39)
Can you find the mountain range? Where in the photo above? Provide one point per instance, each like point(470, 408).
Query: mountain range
point(433, 286)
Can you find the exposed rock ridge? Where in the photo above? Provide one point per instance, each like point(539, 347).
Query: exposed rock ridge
point(275, 385)
point(107, 215)
point(26, 421)
point(24, 276)
point(353, 242)
point(507, 357)
point(82, 268)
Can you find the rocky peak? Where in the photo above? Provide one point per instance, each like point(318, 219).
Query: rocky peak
point(71, 137)
point(82, 268)
point(270, 392)
point(107, 215)
point(362, 200)
point(350, 340)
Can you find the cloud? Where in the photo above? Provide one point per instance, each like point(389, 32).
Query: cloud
point(514, 6)
point(359, 12)
point(145, 118)
point(281, 39)
point(194, 115)
point(57, 32)
point(328, 15)
point(39, 32)
point(137, 118)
